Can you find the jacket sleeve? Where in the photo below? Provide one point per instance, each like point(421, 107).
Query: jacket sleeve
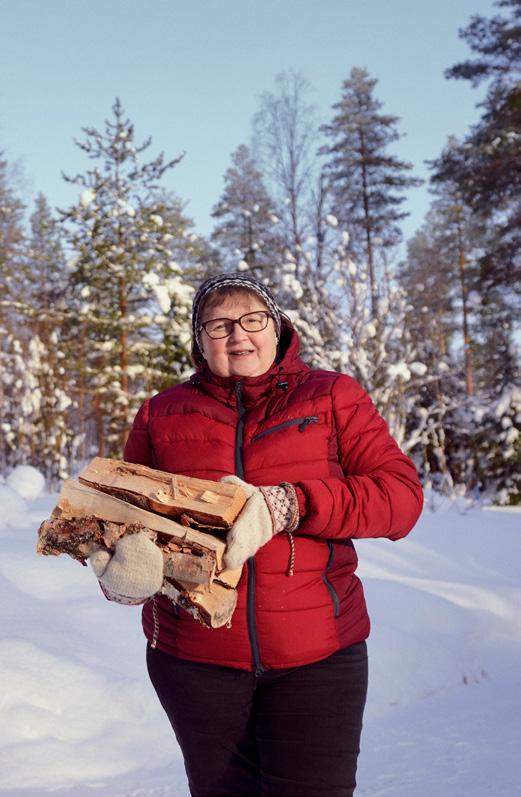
point(138, 448)
point(380, 494)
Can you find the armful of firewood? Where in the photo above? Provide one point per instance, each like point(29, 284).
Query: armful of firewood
point(102, 523)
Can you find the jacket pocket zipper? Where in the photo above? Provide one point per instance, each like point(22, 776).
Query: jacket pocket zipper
point(327, 582)
point(302, 423)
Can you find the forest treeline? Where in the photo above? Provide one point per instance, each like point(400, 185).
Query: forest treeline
point(96, 300)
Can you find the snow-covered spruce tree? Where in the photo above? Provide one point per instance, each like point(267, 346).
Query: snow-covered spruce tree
point(21, 404)
point(12, 238)
point(472, 445)
point(246, 223)
point(500, 450)
point(122, 234)
point(191, 260)
point(367, 183)
point(43, 312)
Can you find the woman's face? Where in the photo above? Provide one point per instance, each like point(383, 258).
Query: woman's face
point(241, 353)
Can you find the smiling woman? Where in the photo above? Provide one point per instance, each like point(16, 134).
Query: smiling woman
point(272, 705)
point(237, 336)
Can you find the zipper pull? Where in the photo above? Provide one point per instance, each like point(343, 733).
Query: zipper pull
point(306, 421)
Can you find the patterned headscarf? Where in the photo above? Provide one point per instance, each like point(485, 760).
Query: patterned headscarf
point(242, 281)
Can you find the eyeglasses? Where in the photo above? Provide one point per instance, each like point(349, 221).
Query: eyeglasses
point(223, 327)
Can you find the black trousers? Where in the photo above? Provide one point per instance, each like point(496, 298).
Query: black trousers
point(286, 733)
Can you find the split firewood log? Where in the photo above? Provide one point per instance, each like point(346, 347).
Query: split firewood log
point(209, 503)
point(96, 516)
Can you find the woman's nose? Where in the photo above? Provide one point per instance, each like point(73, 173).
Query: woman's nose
point(237, 332)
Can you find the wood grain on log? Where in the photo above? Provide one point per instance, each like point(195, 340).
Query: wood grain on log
point(212, 503)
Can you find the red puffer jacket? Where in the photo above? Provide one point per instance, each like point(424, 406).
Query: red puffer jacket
point(320, 431)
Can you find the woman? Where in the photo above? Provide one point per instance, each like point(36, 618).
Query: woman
point(273, 704)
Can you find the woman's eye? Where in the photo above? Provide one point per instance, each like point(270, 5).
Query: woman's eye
point(253, 320)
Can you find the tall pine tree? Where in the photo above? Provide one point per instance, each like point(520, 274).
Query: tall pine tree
point(246, 228)
point(367, 183)
point(487, 170)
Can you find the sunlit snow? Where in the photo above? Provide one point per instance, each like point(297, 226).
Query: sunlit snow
point(78, 717)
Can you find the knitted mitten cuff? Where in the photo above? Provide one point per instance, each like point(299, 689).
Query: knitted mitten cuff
point(283, 505)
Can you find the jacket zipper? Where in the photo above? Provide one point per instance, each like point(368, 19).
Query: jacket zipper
point(327, 582)
point(258, 669)
point(303, 423)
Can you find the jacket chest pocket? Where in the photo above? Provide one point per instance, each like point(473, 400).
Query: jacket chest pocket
point(301, 423)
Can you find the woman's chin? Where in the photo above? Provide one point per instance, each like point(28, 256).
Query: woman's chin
point(246, 366)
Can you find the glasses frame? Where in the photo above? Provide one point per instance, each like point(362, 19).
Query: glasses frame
point(234, 321)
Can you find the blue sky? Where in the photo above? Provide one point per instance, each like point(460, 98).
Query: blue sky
point(189, 73)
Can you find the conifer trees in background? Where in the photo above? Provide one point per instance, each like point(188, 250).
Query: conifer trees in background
point(484, 171)
point(124, 278)
point(486, 168)
point(12, 371)
point(246, 228)
point(367, 182)
point(95, 313)
point(44, 313)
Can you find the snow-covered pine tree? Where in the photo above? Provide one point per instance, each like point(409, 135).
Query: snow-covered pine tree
point(246, 222)
point(367, 183)
point(121, 237)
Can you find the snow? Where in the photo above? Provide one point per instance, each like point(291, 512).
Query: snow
point(418, 368)
point(26, 481)
point(399, 371)
point(79, 718)
point(87, 197)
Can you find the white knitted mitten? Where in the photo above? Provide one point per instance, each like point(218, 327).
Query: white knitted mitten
point(267, 511)
point(134, 570)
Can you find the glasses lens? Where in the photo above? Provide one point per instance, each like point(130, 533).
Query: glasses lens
point(254, 322)
point(219, 327)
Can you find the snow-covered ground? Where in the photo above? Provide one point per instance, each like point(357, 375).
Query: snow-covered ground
point(78, 716)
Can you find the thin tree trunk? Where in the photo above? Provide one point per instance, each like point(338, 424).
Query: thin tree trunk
point(367, 219)
point(123, 358)
point(469, 376)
